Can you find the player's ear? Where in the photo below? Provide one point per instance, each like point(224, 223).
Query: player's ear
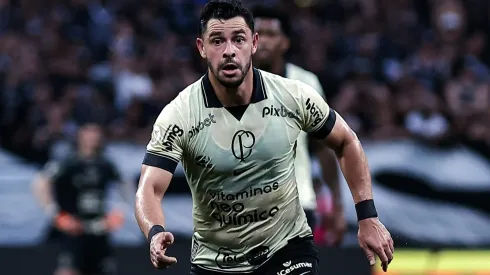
point(200, 47)
point(255, 42)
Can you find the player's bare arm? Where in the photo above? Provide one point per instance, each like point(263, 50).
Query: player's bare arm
point(326, 125)
point(373, 236)
point(153, 184)
point(351, 158)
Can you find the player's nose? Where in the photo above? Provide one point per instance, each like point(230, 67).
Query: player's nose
point(229, 50)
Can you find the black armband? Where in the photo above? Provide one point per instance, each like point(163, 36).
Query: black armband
point(365, 210)
point(155, 230)
point(327, 126)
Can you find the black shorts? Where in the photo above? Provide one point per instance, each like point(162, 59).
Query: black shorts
point(87, 255)
point(299, 257)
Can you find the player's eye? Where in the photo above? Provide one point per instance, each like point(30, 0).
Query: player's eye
point(239, 40)
point(216, 41)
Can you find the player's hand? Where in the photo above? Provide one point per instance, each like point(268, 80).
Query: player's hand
point(68, 224)
point(374, 238)
point(158, 246)
point(337, 225)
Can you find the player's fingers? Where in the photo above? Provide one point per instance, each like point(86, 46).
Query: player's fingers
point(169, 238)
point(154, 261)
point(392, 245)
point(156, 251)
point(166, 260)
point(369, 254)
point(380, 251)
point(388, 253)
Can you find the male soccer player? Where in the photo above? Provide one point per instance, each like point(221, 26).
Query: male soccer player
point(235, 131)
point(274, 30)
point(74, 192)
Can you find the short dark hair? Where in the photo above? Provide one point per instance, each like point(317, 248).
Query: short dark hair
point(271, 13)
point(224, 9)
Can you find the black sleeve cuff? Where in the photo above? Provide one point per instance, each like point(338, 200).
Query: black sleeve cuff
point(165, 163)
point(327, 127)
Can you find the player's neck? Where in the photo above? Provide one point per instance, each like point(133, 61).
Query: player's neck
point(230, 97)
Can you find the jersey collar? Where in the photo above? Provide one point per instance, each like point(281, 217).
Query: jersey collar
point(212, 101)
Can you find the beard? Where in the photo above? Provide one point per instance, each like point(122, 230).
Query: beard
point(227, 82)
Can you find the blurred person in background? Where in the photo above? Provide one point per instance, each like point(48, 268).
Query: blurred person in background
point(74, 191)
point(425, 121)
point(274, 28)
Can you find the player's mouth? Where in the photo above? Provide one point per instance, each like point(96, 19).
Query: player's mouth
point(230, 69)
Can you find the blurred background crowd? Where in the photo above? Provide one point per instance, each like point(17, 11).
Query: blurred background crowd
point(392, 68)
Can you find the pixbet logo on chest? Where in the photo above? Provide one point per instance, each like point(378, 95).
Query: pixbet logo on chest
point(279, 112)
point(201, 125)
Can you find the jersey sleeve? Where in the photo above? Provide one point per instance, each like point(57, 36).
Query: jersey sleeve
point(317, 118)
point(165, 148)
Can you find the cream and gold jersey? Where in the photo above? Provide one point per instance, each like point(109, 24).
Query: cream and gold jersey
point(239, 164)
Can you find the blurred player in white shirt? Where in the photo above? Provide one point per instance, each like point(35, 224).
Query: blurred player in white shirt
point(274, 29)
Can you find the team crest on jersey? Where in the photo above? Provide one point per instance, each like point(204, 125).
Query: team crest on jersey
point(242, 144)
point(156, 135)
